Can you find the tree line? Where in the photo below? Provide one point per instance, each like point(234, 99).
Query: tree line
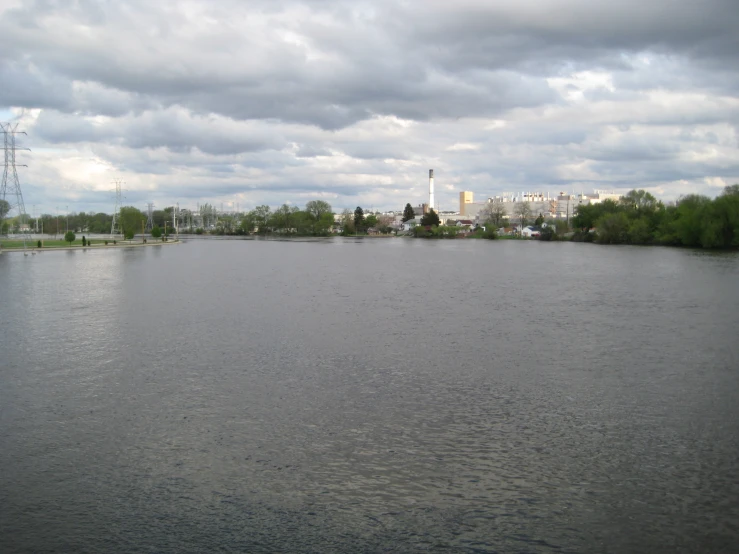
point(639, 218)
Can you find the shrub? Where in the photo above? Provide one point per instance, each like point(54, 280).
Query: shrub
point(612, 228)
point(38, 243)
point(84, 241)
point(156, 232)
point(128, 235)
point(638, 232)
point(198, 231)
point(548, 233)
point(490, 234)
point(115, 242)
point(106, 243)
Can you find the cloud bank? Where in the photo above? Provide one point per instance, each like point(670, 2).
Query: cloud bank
point(284, 101)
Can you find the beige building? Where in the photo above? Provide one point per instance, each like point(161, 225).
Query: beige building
point(465, 197)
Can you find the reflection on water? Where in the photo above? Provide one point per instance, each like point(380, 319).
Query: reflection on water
point(369, 395)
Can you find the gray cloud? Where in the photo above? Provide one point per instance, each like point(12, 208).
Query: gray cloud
point(357, 100)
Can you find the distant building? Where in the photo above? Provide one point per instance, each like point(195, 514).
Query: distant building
point(465, 197)
point(568, 203)
point(531, 231)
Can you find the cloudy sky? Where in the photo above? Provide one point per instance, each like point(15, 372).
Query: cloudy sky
point(274, 101)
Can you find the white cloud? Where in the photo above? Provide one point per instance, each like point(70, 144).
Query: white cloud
point(284, 100)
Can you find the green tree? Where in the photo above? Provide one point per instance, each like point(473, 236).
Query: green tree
point(721, 223)
point(69, 237)
point(687, 224)
point(317, 208)
point(156, 232)
point(548, 233)
point(131, 220)
point(324, 224)
point(320, 215)
point(430, 218)
point(561, 226)
point(96, 223)
point(225, 225)
point(283, 219)
point(612, 228)
point(639, 231)
point(248, 223)
point(639, 200)
point(4, 209)
point(261, 217)
point(539, 220)
point(408, 213)
point(371, 221)
point(359, 219)
point(586, 215)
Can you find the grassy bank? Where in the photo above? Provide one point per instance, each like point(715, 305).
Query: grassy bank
point(58, 244)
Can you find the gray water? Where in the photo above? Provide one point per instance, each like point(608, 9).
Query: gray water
point(377, 395)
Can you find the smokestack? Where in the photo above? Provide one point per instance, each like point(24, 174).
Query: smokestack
point(432, 204)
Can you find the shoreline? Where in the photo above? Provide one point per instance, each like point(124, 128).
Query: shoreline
point(36, 249)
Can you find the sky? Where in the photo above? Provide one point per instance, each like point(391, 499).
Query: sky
point(242, 103)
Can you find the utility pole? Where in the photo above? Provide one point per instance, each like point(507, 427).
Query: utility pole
point(67, 207)
point(568, 212)
point(150, 220)
point(10, 175)
point(142, 232)
point(116, 224)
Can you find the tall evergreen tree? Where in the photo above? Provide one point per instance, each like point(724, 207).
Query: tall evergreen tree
point(408, 213)
point(430, 218)
point(359, 218)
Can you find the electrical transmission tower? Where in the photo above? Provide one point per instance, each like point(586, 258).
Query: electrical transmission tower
point(150, 219)
point(115, 227)
point(11, 186)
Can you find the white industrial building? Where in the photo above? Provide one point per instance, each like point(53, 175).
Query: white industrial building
point(551, 207)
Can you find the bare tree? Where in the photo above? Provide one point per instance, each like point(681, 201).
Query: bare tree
point(523, 212)
point(385, 223)
point(347, 221)
point(494, 214)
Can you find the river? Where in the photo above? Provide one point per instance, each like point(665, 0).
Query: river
point(369, 395)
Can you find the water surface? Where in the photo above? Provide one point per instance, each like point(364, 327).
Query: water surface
point(369, 395)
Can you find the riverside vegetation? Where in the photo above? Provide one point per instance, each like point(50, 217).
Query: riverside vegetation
point(637, 218)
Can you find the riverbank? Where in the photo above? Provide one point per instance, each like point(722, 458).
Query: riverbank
point(17, 246)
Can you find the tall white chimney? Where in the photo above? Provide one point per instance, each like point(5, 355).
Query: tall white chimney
point(432, 204)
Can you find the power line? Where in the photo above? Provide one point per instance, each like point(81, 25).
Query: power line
point(11, 184)
point(116, 224)
point(150, 220)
